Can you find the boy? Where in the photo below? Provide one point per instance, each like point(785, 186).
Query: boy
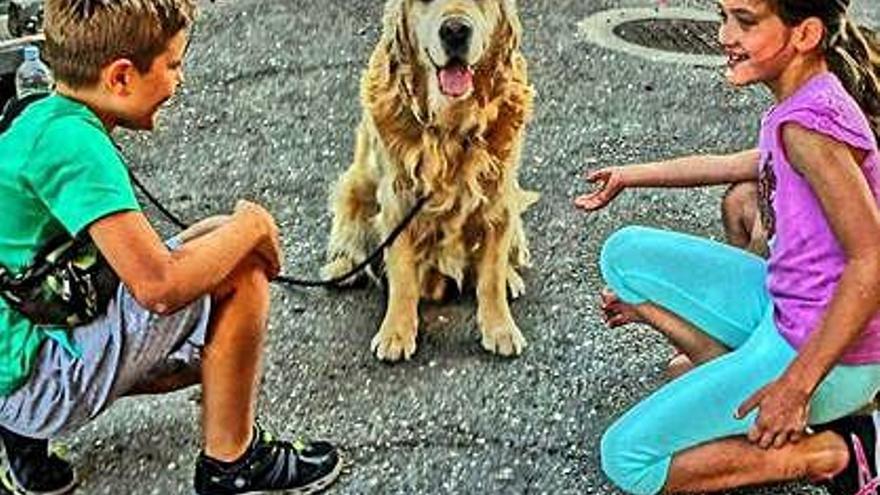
point(194, 313)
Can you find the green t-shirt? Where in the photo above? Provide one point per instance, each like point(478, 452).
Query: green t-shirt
point(59, 171)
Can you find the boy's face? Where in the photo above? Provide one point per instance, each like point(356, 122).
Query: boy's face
point(148, 91)
point(757, 43)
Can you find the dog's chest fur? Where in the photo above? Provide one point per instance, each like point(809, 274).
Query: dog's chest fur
point(464, 181)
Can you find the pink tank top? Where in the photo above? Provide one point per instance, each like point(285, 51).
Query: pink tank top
point(806, 261)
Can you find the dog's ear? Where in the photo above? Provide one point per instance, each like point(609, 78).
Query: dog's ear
point(499, 63)
point(399, 62)
point(395, 34)
point(509, 29)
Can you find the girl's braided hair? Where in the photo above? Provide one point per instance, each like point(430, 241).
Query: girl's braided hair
point(852, 51)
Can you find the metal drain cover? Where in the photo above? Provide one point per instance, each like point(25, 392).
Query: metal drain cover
point(671, 35)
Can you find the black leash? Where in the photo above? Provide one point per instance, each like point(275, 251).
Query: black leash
point(293, 281)
point(335, 281)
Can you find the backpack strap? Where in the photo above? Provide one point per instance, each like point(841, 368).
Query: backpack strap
point(15, 106)
point(11, 110)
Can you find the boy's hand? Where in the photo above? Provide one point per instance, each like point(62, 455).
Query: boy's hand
point(269, 248)
point(611, 183)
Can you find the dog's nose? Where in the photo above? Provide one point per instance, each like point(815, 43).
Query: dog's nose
point(455, 33)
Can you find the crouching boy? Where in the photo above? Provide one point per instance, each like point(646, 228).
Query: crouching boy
point(183, 313)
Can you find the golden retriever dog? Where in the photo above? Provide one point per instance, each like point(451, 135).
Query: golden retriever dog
point(445, 102)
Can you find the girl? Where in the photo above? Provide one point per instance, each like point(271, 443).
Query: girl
point(793, 340)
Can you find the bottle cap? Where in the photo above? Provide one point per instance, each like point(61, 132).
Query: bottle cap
point(31, 52)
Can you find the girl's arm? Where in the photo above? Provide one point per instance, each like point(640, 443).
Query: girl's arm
point(164, 280)
point(833, 171)
point(699, 170)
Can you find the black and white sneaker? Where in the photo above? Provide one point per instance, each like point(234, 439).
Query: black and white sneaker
point(271, 466)
point(860, 477)
point(30, 468)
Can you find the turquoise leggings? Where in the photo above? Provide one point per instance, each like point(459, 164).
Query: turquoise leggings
point(722, 291)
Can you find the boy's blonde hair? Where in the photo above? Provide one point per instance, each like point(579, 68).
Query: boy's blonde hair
point(84, 36)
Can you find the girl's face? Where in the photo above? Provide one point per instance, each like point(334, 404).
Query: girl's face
point(757, 43)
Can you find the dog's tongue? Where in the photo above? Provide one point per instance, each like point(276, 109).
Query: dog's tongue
point(455, 80)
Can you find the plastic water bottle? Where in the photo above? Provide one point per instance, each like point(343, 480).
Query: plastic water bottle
point(32, 76)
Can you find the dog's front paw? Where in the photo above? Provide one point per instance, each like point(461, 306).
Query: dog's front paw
point(395, 341)
point(504, 338)
point(515, 284)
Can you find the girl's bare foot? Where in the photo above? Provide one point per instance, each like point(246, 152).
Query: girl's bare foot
point(617, 312)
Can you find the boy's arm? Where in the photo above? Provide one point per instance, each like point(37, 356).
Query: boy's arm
point(699, 170)
point(164, 280)
point(202, 227)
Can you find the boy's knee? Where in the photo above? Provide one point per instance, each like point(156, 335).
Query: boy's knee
point(249, 275)
point(623, 463)
point(253, 269)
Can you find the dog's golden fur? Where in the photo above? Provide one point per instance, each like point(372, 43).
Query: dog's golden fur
point(461, 152)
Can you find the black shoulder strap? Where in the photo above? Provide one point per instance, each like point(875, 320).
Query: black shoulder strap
point(15, 106)
point(11, 110)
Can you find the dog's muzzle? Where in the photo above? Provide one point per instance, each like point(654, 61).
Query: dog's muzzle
point(455, 35)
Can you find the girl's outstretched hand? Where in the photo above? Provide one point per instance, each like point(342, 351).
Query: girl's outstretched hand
point(610, 181)
point(783, 409)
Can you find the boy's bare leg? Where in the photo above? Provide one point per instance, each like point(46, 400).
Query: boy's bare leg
point(232, 360)
point(735, 462)
point(177, 380)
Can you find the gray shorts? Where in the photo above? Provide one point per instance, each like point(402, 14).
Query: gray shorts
point(127, 346)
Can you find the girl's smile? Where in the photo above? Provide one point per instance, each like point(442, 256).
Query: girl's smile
point(733, 59)
point(755, 40)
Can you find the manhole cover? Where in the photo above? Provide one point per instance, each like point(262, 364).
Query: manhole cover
point(673, 35)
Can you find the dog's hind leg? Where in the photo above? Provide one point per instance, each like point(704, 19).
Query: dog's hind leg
point(396, 338)
point(500, 333)
point(353, 202)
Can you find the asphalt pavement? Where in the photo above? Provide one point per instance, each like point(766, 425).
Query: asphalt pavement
point(268, 113)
